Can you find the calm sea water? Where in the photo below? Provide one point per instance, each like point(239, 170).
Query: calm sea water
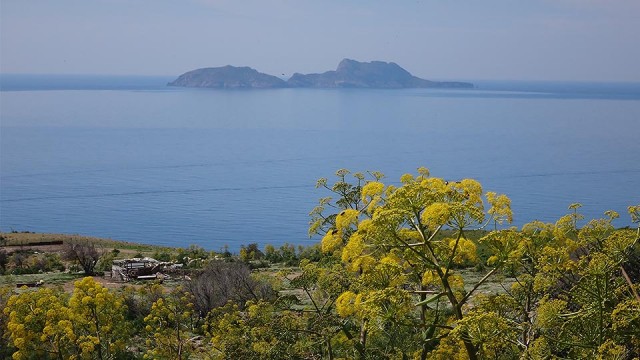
point(131, 159)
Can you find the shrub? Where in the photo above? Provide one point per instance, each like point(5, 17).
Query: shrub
point(221, 282)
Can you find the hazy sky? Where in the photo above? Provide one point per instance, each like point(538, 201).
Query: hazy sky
point(436, 39)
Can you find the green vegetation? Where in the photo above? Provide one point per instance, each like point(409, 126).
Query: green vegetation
point(56, 278)
point(429, 269)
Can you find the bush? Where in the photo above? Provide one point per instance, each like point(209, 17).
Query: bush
point(221, 282)
point(192, 257)
point(312, 253)
point(105, 262)
point(162, 255)
point(46, 263)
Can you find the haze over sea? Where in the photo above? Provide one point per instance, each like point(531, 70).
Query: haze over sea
point(131, 159)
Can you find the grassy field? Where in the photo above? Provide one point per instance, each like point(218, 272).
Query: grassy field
point(23, 239)
point(54, 278)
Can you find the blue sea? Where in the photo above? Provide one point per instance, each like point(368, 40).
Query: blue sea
point(131, 159)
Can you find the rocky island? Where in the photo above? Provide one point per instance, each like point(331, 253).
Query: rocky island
point(349, 74)
point(375, 75)
point(228, 77)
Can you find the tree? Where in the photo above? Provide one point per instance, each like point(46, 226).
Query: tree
point(20, 260)
point(86, 254)
point(271, 255)
point(286, 253)
point(250, 252)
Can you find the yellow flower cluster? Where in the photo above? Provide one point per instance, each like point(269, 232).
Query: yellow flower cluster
point(435, 215)
point(348, 303)
point(353, 249)
point(371, 194)
point(500, 207)
point(406, 178)
point(387, 272)
point(346, 218)
point(430, 277)
point(472, 191)
point(434, 185)
point(331, 241)
point(465, 251)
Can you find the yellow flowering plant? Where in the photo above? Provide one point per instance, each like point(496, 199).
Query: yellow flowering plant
point(89, 324)
point(403, 245)
point(170, 325)
point(39, 324)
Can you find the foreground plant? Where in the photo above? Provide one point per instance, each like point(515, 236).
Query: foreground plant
point(49, 324)
point(405, 244)
point(170, 327)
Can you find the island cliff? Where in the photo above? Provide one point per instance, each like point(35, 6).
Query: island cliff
point(349, 74)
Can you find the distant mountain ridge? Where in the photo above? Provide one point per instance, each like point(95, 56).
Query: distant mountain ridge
point(348, 74)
